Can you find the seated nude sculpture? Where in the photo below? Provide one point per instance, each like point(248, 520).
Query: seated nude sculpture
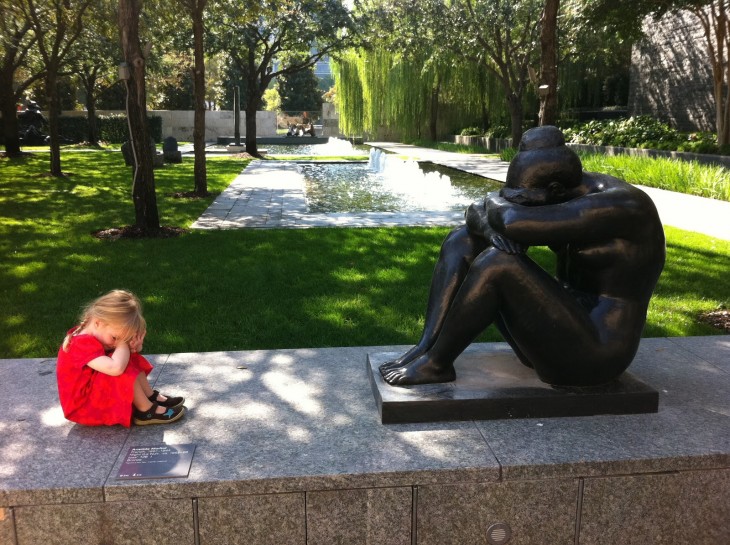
point(580, 327)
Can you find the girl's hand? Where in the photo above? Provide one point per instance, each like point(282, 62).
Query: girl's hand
point(136, 342)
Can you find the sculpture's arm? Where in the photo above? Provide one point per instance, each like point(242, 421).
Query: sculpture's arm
point(476, 218)
point(595, 216)
point(478, 224)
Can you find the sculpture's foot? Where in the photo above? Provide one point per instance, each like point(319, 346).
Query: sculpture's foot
point(405, 359)
point(422, 370)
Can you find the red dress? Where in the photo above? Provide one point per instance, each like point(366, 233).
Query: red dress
point(92, 398)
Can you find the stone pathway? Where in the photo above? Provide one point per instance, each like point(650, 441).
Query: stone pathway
point(270, 194)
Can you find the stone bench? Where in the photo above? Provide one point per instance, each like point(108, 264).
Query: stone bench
point(290, 449)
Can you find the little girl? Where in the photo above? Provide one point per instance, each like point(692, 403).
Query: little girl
point(102, 378)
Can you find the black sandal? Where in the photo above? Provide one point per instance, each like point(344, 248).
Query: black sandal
point(150, 416)
point(170, 402)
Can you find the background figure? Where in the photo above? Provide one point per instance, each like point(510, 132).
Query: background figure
point(579, 328)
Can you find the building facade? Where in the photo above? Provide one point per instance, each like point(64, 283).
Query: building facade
point(671, 73)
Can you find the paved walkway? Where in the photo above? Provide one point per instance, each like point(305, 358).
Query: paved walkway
point(270, 194)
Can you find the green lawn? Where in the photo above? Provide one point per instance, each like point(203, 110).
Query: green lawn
point(246, 289)
point(691, 177)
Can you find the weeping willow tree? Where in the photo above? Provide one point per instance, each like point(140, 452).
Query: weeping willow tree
point(410, 79)
point(349, 96)
point(386, 95)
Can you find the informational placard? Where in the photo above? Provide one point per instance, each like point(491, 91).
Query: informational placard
point(157, 462)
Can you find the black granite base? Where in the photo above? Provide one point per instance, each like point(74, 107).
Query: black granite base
point(491, 383)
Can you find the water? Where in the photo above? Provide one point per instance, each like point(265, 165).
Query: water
point(334, 147)
point(390, 184)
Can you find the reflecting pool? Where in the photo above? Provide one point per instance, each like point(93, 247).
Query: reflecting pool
point(388, 183)
point(333, 147)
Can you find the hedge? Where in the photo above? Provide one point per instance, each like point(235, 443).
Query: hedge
point(112, 128)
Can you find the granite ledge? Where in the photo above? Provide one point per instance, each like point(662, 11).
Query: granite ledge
point(45, 496)
point(131, 491)
point(616, 468)
point(666, 447)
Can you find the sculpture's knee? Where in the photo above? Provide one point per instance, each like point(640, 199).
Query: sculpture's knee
point(495, 261)
point(459, 244)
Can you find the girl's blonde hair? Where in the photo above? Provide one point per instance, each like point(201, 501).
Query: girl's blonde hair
point(118, 307)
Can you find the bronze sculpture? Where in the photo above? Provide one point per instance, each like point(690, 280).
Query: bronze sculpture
point(579, 328)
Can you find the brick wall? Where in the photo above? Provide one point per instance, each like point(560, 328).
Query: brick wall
point(671, 74)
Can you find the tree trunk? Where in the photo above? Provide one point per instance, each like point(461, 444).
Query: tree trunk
point(549, 64)
point(93, 135)
point(483, 99)
point(143, 186)
point(253, 97)
point(10, 118)
point(433, 121)
point(201, 181)
point(251, 146)
point(721, 72)
point(516, 113)
point(54, 112)
point(236, 116)
point(93, 130)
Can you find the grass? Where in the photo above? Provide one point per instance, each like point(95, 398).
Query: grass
point(246, 289)
point(688, 177)
point(454, 148)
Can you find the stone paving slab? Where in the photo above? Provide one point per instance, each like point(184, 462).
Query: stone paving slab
point(279, 421)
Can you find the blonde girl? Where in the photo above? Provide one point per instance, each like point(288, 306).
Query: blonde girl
point(102, 377)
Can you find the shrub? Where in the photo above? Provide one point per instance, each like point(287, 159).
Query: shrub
point(507, 154)
point(700, 142)
point(73, 129)
point(114, 128)
point(498, 131)
point(640, 132)
point(471, 131)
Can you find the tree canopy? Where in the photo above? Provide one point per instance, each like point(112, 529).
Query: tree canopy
point(406, 68)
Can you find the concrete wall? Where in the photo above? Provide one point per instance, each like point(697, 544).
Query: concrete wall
point(330, 120)
point(671, 74)
point(179, 123)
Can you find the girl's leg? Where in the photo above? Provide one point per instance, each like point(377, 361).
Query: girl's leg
point(147, 388)
point(142, 392)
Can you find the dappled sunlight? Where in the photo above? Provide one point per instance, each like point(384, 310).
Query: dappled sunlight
point(85, 191)
point(10, 456)
point(296, 393)
point(298, 434)
point(393, 275)
point(342, 420)
point(15, 320)
point(13, 451)
point(81, 259)
point(432, 449)
point(53, 417)
point(29, 287)
point(224, 410)
point(283, 359)
point(27, 269)
point(218, 375)
point(349, 275)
